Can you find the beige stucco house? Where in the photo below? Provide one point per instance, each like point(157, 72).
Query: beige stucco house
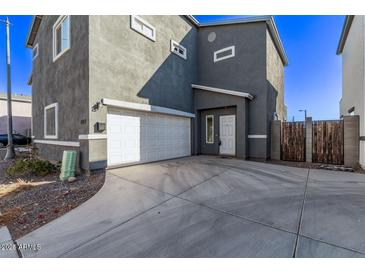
point(22, 114)
point(352, 49)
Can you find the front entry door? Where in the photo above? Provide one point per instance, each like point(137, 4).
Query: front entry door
point(227, 134)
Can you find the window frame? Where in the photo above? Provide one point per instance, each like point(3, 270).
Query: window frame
point(133, 19)
point(233, 54)
point(55, 106)
point(36, 47)
point(174, 44)
point(206, 129)
point(54, 36)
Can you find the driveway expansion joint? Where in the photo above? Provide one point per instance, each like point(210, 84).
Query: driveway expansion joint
point(301, 216)
point(332, 244)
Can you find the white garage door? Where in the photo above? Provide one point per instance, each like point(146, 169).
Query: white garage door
point(139, 137)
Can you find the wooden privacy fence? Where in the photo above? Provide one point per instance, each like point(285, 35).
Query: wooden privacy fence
point(293, 141)
point(328, 142)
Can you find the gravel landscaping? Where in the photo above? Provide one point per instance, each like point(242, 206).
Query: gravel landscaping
point(311, 165)
point(28, 202)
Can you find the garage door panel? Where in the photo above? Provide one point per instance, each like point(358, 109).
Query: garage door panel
point(144, 137)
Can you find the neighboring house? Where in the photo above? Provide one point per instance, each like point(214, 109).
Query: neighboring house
point(132, 89)
point(352, 49)
point(21, 111)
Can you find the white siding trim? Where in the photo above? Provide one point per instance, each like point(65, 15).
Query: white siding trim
point(58, 143)
point(144, 22)
point(174, 45)
point(58, 22)
point(55, 106)
point(145, 107)
point(92, 136)
point(35, 48)
point(257, 136)
point(224, 91)
point(232, 54)
point(206, 129)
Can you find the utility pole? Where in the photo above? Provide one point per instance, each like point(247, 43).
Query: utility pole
point(10, 153)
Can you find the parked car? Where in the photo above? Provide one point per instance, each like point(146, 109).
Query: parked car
point(18, 139)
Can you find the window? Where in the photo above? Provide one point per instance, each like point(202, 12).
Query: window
point(35, 52)
point(51, 121)
point(223, 54)
point(209, 129)
point(143, 27)
point(61, 36)
point(178, 49)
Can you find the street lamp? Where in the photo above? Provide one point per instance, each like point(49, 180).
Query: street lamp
point(10, 153)
point(305, 113)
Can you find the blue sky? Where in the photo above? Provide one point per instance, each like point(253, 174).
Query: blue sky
point(312, 79)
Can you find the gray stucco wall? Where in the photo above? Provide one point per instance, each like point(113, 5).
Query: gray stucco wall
point(214, 103)
point(353, 76)
point(64, 81)
point(275, 76)
point(246, 72)
point(127, 66)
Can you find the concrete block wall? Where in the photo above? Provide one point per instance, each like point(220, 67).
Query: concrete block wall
point(351, 140)
point(276, 140)
point(308, 139)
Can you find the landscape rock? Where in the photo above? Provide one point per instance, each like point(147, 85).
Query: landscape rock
point(71, 179)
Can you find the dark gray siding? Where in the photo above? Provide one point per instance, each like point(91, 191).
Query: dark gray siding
point(215, 102)
point(64, 81)
point(246, 72)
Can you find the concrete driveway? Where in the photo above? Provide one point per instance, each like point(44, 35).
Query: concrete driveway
point(212, 207)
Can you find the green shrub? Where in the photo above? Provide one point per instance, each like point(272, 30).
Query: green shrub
point(31, 167)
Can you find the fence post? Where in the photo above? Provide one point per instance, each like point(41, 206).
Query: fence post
point(351, 140)
point(276, 140)
point(308, 139)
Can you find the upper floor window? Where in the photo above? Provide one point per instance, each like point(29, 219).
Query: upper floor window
point(61, 36)
point(223, 54)
point(35, 52)
point(178, 49)
point(143, 27)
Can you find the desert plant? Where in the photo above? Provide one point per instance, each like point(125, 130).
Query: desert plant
point(31, 166)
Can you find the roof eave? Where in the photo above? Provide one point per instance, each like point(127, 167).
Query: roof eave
point(345, 31)
point(32, 31)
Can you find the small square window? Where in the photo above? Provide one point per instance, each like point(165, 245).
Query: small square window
point(61, 36)
point(35, 52)
point(51, 121)
point(143, 27)
point(209, 129)
point(178, 49)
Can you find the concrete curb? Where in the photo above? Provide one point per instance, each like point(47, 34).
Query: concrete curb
point(7, 246)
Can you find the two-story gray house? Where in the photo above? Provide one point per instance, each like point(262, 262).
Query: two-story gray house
point(133, 89)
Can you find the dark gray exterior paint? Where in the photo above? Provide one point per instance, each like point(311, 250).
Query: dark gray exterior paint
point(248, 72)
point(64, 81)
point(212, 149)
point(215, 103)
point(108, 59)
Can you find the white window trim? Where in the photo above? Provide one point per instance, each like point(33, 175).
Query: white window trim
point(55, 106)
point(58, 22)
point(232, 48)
point(57, 143)
point(174, 44)
point(133, 17)
point(35, 48)
point(206, 128)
